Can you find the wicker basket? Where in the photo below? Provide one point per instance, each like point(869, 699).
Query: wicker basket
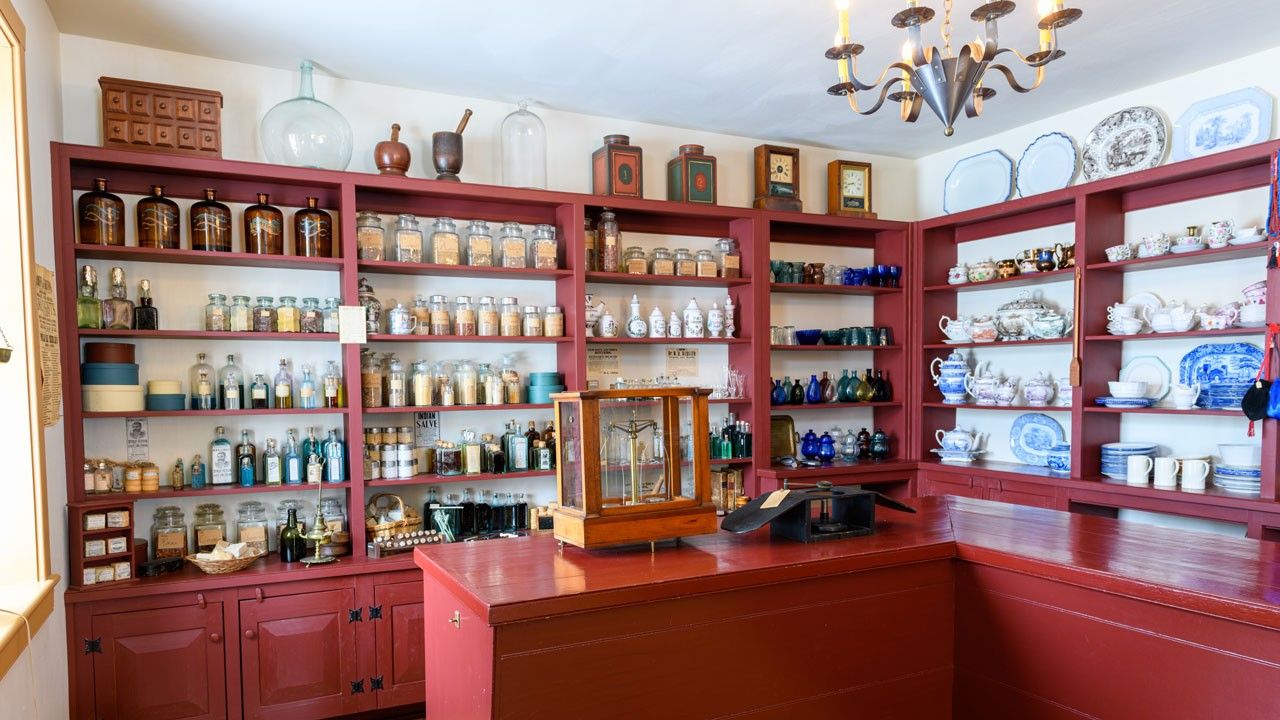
point(222, 567)
point(382, 505)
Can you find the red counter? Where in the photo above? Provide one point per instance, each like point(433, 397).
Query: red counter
point(969, 609)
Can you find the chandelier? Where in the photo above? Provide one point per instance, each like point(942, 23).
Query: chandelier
point(947, 81)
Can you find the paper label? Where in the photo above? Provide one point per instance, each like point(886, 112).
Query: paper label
point(207, 537)
point(351, 325)
point(682, 362)
point(253, 534)
point(775, 499)
point(171, 540)
point(136, 433)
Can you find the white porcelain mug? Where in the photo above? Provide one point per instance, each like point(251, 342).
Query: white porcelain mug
point(1194, 473)
point(1166, 471)
point(1139, 469)
point(1120, 310)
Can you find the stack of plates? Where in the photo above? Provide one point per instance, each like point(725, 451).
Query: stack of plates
point(1118, 402)
point(1238, 478)
point(1115, 457)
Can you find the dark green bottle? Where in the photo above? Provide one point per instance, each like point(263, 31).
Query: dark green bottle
point(292, 545)
point(797, 393)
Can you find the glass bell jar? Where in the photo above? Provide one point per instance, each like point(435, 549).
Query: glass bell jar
point(305, 131)
point(524, 149)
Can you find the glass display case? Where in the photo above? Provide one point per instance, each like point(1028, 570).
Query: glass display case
point(639, 472)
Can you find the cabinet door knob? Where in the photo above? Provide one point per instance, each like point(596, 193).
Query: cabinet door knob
point(201, 601)
point(456, 620)
point(251, 634)
point(215, 638)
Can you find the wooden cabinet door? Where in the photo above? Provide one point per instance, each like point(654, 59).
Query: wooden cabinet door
point(949, 484)
point(161, 664)
point(298, 656)
point(399, 643)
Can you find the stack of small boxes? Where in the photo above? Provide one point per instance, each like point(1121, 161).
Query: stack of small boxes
point(108, 545)
point(109, 377)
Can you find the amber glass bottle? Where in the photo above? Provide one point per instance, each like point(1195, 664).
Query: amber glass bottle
point(263, 228)
point(210, 224)
point(313, 231)
point(158, 221)
point(101, 216)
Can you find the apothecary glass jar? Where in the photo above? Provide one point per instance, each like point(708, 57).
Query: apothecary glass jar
point(312, 320)
point(706, 263)
point(684, 263)
point(441, 324)
point(553, 321)
point(464, 316)
point(335, 516)
point(168, 533)
point(532, 321)
point(445, 248)
point(397, 383)
point(241, 314)
point(288, 316)
point(370, 236)
point(730, 258)
point(264, 314)
point(420, 384)
point(634, 261)
point(663, 262)
point(479, 244)
point(509, 318)
point(421, 312)
point(217, 315)
point(545, 248)
point(408, 239)
point(487, 317)
point(372, 306)
point(210, 526)
point(466, 383)
point(514, 246)
point(251, 525)
point(330, 314)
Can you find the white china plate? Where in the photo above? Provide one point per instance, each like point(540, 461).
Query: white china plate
point(1223, 122)
point(1031, 437)
point(1132, 139)
point(1179, 249)
point(1246, 240)
point(1050, 162)
point(1150, 370)
point(983, 179)
point(1151, 301)
point(949, 341)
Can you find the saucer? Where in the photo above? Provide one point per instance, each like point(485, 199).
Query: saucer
point(1187, 248)
point(1246, 239)
point(949, 341)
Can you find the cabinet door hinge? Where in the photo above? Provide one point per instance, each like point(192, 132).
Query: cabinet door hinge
point(355, 615)
point(357, 687)
point(375, 683)
point(375, 612)
point(92, 645)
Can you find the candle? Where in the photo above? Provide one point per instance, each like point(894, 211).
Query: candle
point(840, 62)
point(906, 58)
point(842, 8)
point(1046, 8)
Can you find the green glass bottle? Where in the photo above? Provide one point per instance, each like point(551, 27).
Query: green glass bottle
point(292, 545)
point(842, 387)
point(866, 390)
point(88, 306)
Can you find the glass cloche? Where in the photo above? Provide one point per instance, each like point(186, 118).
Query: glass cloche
point(524, 149)
point(305, 131)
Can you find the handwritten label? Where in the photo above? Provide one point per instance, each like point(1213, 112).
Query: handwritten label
point(351, 325)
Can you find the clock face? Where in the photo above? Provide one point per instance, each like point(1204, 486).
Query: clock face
point(853, 183)
point(781, 168)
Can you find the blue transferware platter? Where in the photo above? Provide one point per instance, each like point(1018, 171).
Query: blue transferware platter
point(1127, 402)
point(977, 181)
point(1050, 162)
point(1215, 364)
point(1224, 122)
point(1031, 437)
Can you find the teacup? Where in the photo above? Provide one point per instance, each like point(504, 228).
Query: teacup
point(1153, 245)
point(1194, 472)
point(1121, 310)
point(1139, 469)
point(1256, 293)
point(1188, 240)
point(1253, 315)
point(1248, 232)
point(1219, 233)
point(1116, 253)
point(1125, 326)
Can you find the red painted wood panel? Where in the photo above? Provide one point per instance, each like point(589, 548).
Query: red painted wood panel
point(399, 641)
point(160, 664)
point(459, 663)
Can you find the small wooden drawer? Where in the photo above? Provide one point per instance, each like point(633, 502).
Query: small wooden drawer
point(161, 118)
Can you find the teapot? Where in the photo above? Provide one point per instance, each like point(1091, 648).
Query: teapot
point(981, 329)
point(958, 274)
point(1039, 390)
point(982, 271)
point(1049, 324)
point(1013, 318)
point(1006, 391)
point(958, 440)
point(949, 376)
point(955, 329)
point(982, 385)
point(809, 445)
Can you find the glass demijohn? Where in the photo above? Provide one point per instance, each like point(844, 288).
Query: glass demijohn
point(305, 131)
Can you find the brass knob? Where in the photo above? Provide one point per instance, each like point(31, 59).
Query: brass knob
point(215, 638)
point(250, 634)
point(456, 620)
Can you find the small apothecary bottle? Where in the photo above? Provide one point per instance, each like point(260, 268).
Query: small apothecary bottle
point(591, 243)
point(88, 304)
point(663, 262)
point(634, 261)
point(288, 316)
point(313, 231)
point(609, 238)
point(514, 246)
point(168, 533)
point(445, 248)
point(101, 216)
point(553, 321)
point(158, 221)
point(684, 263)
point(706, 263)
point(241, 314)
point(509, 319)
point(117, 308)
point(408, 239)
point(251, 521)
point(479, 244)
point(263, 228)
point(370, 236)
point(730, 258)
point(210, 224)
point(545, 248)
point(145, 315)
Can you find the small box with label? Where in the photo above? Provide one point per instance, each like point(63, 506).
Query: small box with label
point(117, 545)
point(95, 521)
point(95, 548)
point(118, 519)
point(90, 576)
point(123, 569)
point(106, 574)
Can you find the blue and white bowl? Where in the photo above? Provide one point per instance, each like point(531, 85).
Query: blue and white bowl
point(1238, 471)
point(1059, 459)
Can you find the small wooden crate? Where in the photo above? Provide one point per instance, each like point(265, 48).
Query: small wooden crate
point(161, 118)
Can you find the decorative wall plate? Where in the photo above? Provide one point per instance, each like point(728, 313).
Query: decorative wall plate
point(1223, 122)
point(1031, 437)
point(983, 179)
point(1133, 139)
point(1151, 370)
point(1050, 162)
point(1214, 364)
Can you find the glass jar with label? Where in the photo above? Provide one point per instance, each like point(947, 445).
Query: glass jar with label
point(684, 263)
point(531, 324)
point(591, 241)
point(251, 525)
point(515, 250)
point(241, 314)
point(421, 313)
point(510, 322)
point(420, 394)
point(370, 236)
point(609, 239)
point(335, 516)
point(210, 526)
point(466, 383)
point(448, 458)
point(663, 262)
point(168, 533)
point(408, 239)
point(288, 317)
point(442, 378)
point(312, 320)
point(217, 314)
point(396, 384)
point(445, 249)
point(370, 380)
point(730, 258)
point(132, 478)
point(464, 316)
point(330, 315)
point(634, 261)
point(479, 244)
point(440, 322)
point(706, 263)
point(546, 251)
point(553, 321)
point(264, 314)
point(487, 317)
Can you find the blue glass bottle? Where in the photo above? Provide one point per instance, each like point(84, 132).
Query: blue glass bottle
point(809, 445)
point(826, 448)
point(335, 459)
point(311, 446)
point(779, 394)
point(813, 393)
point(292, 462)
point(307, 389)
point(197, 473)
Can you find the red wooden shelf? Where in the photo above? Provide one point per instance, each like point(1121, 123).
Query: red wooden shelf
point(1237, 332)
point(667, 341)
point(1017, 408)
point(998, 344)
point(832, 289)
point(384, 337)
point(204, 257)
point(832, 348)
point(618, 278)
point(730, 461)
point(478, 477)
point(1211, 495)
point(207, 335)
point(453, 408)
point(392, 267)
point(219, 490)
point(1231, 252)
point(214, 413)
point(1015, 281)
point(834, 406)
point(1166, 411)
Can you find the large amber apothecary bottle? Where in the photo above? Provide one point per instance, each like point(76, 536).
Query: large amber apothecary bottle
point(263, 228)
point(101, 216)
point(210, 224)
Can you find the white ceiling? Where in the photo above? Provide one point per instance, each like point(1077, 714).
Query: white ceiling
point(745, 67)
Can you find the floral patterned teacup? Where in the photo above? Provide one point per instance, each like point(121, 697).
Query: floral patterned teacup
point(1219, 233)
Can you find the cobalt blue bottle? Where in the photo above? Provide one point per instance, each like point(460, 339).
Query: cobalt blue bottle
point(813, 393)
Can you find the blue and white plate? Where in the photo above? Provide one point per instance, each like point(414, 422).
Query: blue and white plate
point(1223, 122)
point(1050, 162)
point(1032, 435)
point(1115, 402)
point(1243, 472)
point(1150, 370)
point(977, 181)
point(1237, 486)
point(1224, 371)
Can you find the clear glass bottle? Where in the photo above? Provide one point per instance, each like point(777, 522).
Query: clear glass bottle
point(510, 319)
point(445, 247)
point(145, 316)
point(663, 262)
point(370, 236)
point(609, 238)
point(634, 261)
point(157, 221)
point(246, 461)
point(259, 393)
point(466, 383)
point(311, 319)
point(531, 322)
point(168, 533)
point(553, 321)
point(217, 314)
point(706, 263)
point(464, 317)
point(421, 313)
point(272, 465)
point(591, 241)
point(546, 249)
point(512, 389)
point(479, 244)
point(199, 472)
point(231, 385)
point(241, 315)
point(684, 263)
point(487, 317)
point(251, 525)
point(334, 394)
point(443, 374)
point(441, 324)
point(221, 460)
point(117, 310)
point(408, 239)
point(88, 305)
point(308, 398)
point(202, 379)
point(490, 386)
point(264, 314)
point(730, 259)
point(282, 385)
point(516, 447)
point(515, 249)
point(397, 384)
point(210, 224)
point(370, 380)
point(330, 315)
point(305, 132)
point(524, 149)
point(288, 316)
point(372, 306)
point(420, 394)
point(335, 459)
point(292, 460)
